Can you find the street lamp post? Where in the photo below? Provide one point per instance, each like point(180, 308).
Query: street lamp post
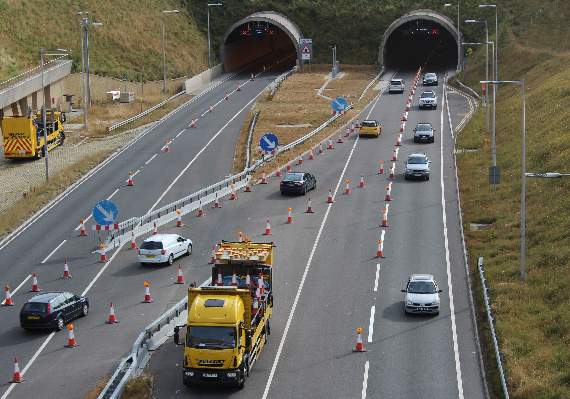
point(458, 35)
point(496, 76)
point(334, 70)
point(475, 21)
point(164, 50)
point(209, 42)
point(521, 84)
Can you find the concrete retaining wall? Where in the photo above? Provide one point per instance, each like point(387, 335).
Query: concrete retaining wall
point(197, 83)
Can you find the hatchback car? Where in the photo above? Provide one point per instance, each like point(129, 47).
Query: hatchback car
point(430, 79)
point(428, 99)
point(422, 294)
point(417, 167)
point(396, 86)
point(164, 248)
point(424, 133)
point(52, 310)
point(370, 128)
point(297, 183)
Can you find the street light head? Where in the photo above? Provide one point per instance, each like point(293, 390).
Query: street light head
point(447, 5)
point(471, 21)
point(171, 11)
point(487, 5)
point(97, 24)
point(215, 4)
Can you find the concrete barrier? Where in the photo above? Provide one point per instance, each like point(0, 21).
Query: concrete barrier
point(196, 83)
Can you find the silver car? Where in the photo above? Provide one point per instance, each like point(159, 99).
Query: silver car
point(428, 99)
point(422, 294)
point(424, 133)
point(396, 86)
point(417, 167)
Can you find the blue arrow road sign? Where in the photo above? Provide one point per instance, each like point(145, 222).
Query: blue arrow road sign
point(268, 142)
point(105, 212)
point(339, 104)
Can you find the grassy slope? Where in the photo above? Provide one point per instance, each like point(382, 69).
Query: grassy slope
point(129, 40)
point(534, 319)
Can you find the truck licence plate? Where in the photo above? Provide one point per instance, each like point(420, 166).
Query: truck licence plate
point(33, 317)
point(209, 375)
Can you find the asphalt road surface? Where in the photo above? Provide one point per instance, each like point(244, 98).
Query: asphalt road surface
point(197, 157)
point(328, 280)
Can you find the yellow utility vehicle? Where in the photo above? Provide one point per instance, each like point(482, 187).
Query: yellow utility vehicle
point(228, 322)
point(24, 135)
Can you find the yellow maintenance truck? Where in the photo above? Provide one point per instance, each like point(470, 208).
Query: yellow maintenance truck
point(24, 135)
point(228, 321)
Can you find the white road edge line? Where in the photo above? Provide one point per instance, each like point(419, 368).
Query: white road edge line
point(447, 260)
point(371, 325)
point(304, 277)
point(53, 252)
point(112, 195)
point(150, 159)
point(18, 287)
point(377, 277)
point(365, 379)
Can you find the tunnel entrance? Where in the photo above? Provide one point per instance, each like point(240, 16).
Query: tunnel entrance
point(422, 37)
point(261, 38)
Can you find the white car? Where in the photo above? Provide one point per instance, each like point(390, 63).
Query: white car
point(422, 294)
point(164, 248)
point(396, 86)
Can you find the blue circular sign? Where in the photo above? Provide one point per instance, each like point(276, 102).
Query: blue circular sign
point(268, 142)
point(105, 212)
point(339, 104)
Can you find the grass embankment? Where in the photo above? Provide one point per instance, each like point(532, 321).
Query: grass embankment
point(295, 110)
point(533, 319)
point(128, 43)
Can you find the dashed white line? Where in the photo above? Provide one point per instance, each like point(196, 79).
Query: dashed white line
point(371, 324)
point(18, 287)
point(179, 133)
point(150, 159)
point(377, 277)
point(113, 194)
point(365, 379)
point(53, 252)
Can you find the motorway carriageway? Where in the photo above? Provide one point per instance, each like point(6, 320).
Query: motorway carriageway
point(328, 280)
point(197, 157)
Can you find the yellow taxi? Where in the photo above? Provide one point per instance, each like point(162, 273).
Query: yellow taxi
point(370, 128)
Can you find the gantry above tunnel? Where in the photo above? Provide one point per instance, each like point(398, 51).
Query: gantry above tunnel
point(261, 37)
point(420, 35)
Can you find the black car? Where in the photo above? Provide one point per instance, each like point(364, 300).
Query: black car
point(298, 183)
point(52, 310)
point(430, 79)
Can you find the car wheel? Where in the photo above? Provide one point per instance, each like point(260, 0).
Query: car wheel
point(406, 177)
point(305, 190)
point(282, 192)
point(59, 323)
point(84, 310)
point(189, 250)
point(315, 185)
point(415, 140)
point(170, 260)
point(427, 178)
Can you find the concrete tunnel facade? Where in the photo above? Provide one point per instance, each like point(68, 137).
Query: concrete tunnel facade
point(446, 46)
point(261, 36)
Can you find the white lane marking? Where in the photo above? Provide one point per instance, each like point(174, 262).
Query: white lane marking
point(371, 324)
point(201, 151)
point(84, 221)
point(448, 263)
point(377, 277)
point(111, 196)
point(105, 266)
point(81, 142)
point(365, 379)
point(53, 252)
point(179, 133)
point(304, 277)
point(18, 287)
point(32, 360)
point(150, 159)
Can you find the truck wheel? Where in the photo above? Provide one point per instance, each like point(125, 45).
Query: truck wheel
point(268, 327)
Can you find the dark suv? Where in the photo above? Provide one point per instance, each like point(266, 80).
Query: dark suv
point(52, 310)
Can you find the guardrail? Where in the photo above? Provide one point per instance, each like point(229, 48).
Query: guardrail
point(491, 319)
point(28, 72)
point(250, 138)
point(279, 80)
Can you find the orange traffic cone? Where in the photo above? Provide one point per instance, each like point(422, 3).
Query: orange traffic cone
point(147, 297)
point(166, 147)
point(263, 179)
point(330, 197)
point(388, 196)
point(310, 207)
point(385, 217)
point(130, 180)
point(194, 123)
point(8, 295)
point(289, 216)
point(311, 155)
point(200, 211)
point(16, 376)
point(112, 319)
point(233, 195)
point(278, 173)
point(340, 139)
point(381, 169)
point(267, 228)
point(395, 154)
point(102, 254)
point(154, 229)
point(216, 203)
point(300, 160)
point(35, 286)
point(248, 186)
point(133, 241)
point(380, 249)
point(82, 230)
point(359, 347)
point(180, 276)
point(347, 189)
point(71, 342)
point(288, 168)
point(179, 222)
point(399, 140)
point(66, 273)
point(330, 146)
point(361, 183)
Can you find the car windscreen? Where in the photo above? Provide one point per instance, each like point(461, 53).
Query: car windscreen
point(417, 160)
point(423, 127)
point(35, 307)
point(209, 337)
point(151, 245)
point(396, 82)
point(293, 177)
point(369, 124)
point(431, 75)
point(421, 287)
point(428, 94)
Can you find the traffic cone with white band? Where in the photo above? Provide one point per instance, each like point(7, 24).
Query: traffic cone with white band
point(66, 273)
point(35, 286)
point(233, 195)
point(340, 139)
point(133, 241)
point(392, 171)
point(300, 160)
point(71, 342)
point(395, 154)
point(179, 222)
point(200, 211)
point(147, 297)
point(267, 228)
point(8, 301)
point(311, 155)
point(310, 207)
point(166, 147)
point(16, 376)
point(130, 180)
point(330, 197)
point(388, 196)
point(289, 216)
point(154, 229)
point(82, 229)
point(361, 183)
point(216, 203)
point(102, 254)
point(194, 123)
point(234, 279)
point(359, 347)
point(385, 216)
point(347, 189)
point(263, 179)
point(179, 276)
point(330, 146)
point(112, 319)
point(399, 140)
point(381, 169)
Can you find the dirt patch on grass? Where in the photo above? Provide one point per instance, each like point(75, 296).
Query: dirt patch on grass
point(138, 388)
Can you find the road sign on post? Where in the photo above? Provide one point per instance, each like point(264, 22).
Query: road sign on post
point(268, 142)
point(494, 175)
point(339, 104)
point(105, 212)
point(306, 48)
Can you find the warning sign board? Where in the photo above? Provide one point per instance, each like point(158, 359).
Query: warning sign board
point(306, 47)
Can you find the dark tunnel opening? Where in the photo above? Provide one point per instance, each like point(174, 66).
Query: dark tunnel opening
point(420, 42)
point(258, 42)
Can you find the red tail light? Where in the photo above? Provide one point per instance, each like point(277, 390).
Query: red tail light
point(163, 252)
point(48, 308)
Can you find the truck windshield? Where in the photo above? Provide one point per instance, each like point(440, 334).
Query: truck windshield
point(211, 337)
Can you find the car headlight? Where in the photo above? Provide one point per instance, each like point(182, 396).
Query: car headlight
point(232, 375)
point(409, 302)
point(189, 373)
